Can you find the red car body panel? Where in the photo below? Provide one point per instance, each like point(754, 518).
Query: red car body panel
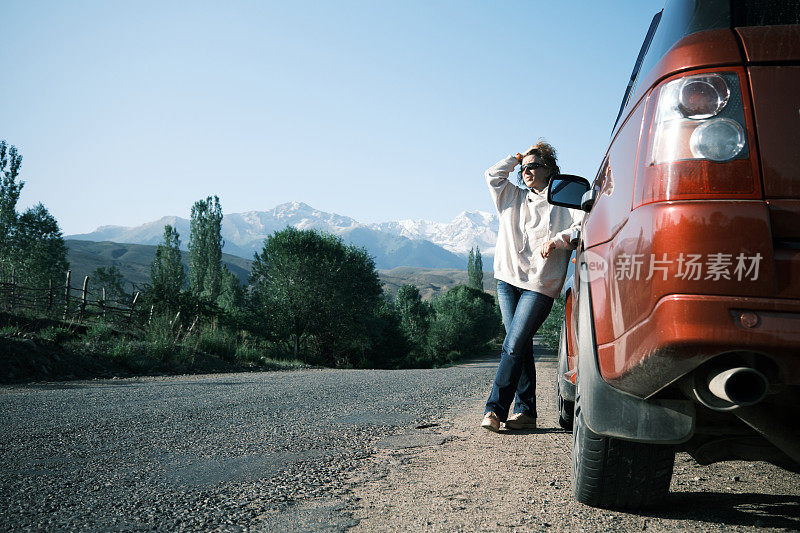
point(776, 122)
point(770, 43)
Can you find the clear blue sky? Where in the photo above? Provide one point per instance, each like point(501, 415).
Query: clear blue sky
point(379, 110)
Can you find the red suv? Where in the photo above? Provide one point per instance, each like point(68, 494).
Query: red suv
point(682, 326)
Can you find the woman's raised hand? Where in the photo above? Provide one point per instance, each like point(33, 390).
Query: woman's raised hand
point(520, 157)
point(547, 247)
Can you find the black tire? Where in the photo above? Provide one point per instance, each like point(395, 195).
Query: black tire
point(566, 409)
point(614, 473)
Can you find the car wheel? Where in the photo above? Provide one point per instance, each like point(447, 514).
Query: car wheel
point(615, 473)
point(565, 409)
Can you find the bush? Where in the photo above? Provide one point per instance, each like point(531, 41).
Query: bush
point(122, 350)
point(415, 317)
point(99, 332)
point(10, 331)
point(248, 353)
point(465, 321)
point(219, 342)
point(161, 340)
point(390, 346)
point(56, 334)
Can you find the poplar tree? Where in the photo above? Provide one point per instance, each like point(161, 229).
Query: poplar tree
point(10, 161)
point(477, 279)
point(475, 269)
point(205, 248)
point(166, 272)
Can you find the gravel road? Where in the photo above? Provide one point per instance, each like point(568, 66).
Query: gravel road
point(326, 450)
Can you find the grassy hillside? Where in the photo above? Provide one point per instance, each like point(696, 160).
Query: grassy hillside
point(429, 281)
point(134, 260)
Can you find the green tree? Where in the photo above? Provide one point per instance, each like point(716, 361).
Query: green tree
point(41, 255)
point(475, 269)
point(231, 296)
point(390, 346)
point(465, 320)
point(414, 314)
point(205, 248)
point(10, 189)
point(478, 282)
point(324, 295)
point(112, 280)
point(167, 276)
point(31, 244)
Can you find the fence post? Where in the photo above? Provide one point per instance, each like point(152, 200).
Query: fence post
point(83, 298)
point(49, 295)
point(66, 294)
point(13, 287)
point(194, 323)
point(103, 303)
point(133, 305)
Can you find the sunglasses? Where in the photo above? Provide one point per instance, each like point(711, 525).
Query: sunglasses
point(530, 166)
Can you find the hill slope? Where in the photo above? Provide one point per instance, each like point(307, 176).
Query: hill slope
point(134, 261)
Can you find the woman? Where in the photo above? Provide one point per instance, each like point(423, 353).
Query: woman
point(534, 245)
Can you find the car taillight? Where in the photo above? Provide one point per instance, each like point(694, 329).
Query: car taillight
point(697, 144)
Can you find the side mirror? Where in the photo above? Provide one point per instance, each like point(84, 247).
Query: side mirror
point(567, 190)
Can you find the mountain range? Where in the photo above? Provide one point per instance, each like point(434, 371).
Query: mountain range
point(404, 243)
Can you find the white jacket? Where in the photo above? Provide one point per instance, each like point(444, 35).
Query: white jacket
point(527, 221)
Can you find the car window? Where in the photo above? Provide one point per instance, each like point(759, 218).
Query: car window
point(679, 19)
point(766, 12)
point(645, 45)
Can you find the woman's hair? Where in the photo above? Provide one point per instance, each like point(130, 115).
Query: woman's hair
point(546, 153)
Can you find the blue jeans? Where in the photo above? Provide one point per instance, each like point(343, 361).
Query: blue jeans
point(523, 313)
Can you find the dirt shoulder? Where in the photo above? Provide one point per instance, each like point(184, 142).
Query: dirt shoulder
point(457, 477)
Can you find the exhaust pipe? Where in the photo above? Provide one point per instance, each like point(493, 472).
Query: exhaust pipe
point(740, 386)
point(724, 389)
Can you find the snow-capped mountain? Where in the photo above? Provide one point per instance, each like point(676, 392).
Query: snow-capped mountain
point(469, 229)
point(420, 243)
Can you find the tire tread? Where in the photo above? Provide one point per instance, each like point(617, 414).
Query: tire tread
point(614, 473)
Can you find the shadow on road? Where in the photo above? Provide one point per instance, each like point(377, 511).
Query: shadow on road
point(540, 355)
point(489, 360)
point(746, 509)
point(537, 431)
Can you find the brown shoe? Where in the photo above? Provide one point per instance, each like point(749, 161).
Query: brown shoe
point(491, 422)
point(521, 421)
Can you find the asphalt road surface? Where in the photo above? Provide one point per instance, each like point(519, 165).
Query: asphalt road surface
point(326, 450)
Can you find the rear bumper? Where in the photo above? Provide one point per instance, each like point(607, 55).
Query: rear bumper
point(684, 331)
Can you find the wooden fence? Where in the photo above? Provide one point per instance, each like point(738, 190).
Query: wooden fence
point(69, 303)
